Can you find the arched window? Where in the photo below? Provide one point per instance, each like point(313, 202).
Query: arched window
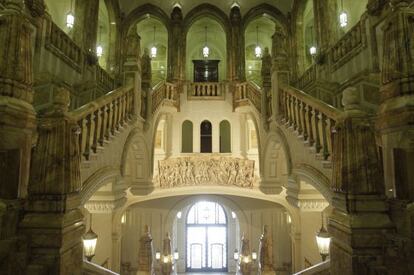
point(206, 139)
point(225, 137)
point(206, 238)
point(187, 137)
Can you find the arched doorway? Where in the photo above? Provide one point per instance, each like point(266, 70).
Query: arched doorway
point(206, 238)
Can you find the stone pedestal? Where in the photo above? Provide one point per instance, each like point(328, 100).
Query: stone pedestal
point(359, 220)
point(53, 221)
point(145, 264)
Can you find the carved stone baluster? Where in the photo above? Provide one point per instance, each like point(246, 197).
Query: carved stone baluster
point(83, 124)
point(119, 119)
point(299, 116)
point(309, 116)
point(110, 119)
point(104, 124)
point(317, 135)
point(97, 129)
point(290, 113)
point(294, 107)
point(116, 115)
point(89, 135)
point(305, 128)
point(324, 137)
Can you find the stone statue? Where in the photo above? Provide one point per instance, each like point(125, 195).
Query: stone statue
point(146, 74)
point(266, 71)
point(245, 247)
point(145, 253)
point(167, 261)
point(133, 47)
point(265, 251)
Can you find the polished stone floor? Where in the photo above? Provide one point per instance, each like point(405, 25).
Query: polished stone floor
point(207, 273)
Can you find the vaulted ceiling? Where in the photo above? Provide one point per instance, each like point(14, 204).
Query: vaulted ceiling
point(127, 6)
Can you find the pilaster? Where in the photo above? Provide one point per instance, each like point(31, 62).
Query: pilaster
point(176, 47)
point(132, 69)
point(17, 116)
point(236, 50)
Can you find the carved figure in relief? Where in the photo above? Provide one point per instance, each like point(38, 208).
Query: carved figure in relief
point(206, 171)
point(265, 251)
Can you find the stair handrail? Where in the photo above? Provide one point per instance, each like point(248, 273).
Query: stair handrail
point(248, 92)
point(100, 119)
point(312, 118)
point(165, 92)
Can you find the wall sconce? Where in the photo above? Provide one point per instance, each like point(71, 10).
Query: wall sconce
point(157, 255)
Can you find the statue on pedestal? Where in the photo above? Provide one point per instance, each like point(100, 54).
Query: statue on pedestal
point(266, 253)
point(145, 253)
point(167, 261)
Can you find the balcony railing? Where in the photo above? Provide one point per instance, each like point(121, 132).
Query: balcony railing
point(206, 90)
point(247, 93)
point(310, 117)
point(104, 79)
point(100, 119)
point(165, 94)
point(59, 43)
point(349, 45)
point(307, 78)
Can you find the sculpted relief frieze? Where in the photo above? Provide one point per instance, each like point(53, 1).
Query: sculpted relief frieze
point(206, 170)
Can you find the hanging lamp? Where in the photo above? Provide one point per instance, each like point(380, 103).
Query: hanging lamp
point(99, 48)
point(343, 16)
point(206, 50)
point(257, 50)
point(312, 49)
point(89, 242)
point(70, 18)
point(153, 48)
point(323, 240)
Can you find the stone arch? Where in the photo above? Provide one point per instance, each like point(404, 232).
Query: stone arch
point(209, 11)
point(265, 9)
point(215, 13)
point(96, 181)
point(227, 202)
point(142, 12)
point(136, 165)
point(280, 138)
point(315, 178)
point(298, 29)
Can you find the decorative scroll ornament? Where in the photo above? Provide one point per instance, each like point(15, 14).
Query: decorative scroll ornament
point(206, 170)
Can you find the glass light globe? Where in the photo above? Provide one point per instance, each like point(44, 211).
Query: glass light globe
point(323, 239)
point(206, 51)
point(343, 19)
point(312, 50)
point(89, 244)
point(70, 20)
point(236, 255)
point(153, 52)
point(99, 51)
point(176, 255)
point(258, 52)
